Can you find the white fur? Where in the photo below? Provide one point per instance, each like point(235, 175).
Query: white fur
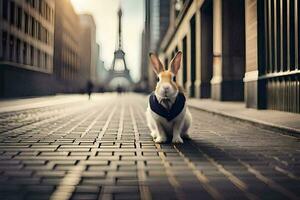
point(162, 128)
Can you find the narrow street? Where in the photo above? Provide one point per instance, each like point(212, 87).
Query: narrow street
point(102, 149)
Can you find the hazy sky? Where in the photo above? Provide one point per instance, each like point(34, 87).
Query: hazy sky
point(105, 16)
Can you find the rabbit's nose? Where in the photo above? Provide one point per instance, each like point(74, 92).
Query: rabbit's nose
point(166, 87)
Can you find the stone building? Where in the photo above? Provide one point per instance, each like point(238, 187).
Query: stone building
point(66, 48)
point(236, 50)
point(88, 47)
point(26, 47)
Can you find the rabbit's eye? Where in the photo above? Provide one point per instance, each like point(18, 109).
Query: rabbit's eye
point(174, 78)
point(157, 79)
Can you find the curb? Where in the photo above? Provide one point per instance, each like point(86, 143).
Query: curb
point(272, 127)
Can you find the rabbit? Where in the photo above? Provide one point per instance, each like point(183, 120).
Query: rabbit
point(167, 114)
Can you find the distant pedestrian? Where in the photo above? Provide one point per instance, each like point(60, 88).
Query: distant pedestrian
point(119, 89)
point(89, 88)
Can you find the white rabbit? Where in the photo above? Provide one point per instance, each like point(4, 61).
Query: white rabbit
point(167, 113)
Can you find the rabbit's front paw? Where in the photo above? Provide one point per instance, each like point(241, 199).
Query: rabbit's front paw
point(177, 140)
point(160, 139)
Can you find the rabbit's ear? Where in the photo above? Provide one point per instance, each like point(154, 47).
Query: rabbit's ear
point(176, 62)
point(156, 64)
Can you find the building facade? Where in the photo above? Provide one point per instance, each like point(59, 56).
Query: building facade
point(26, 47)
point(157, 16)
point(66, 48)
point(272, 78)
point(236, 50)
point(88, 47)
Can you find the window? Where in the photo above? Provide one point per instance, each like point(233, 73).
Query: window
point(38, 30)
point(166, 62)
point(193, 54)
point(28, 61)
point(42, 33)
point(4, 44)
point(41, 3)
point(25, 53)
point(20, 17)
point(47, 37)
point(33, 3)
point(48, 13)
point(31, 55)
point(44, 8)
point(26, 23)
point(292, 35)
point(50, 61)
point(45, 60)
point(11, 47)
point(42, 60)
point(12, 13)
point(38, 58)
point(52, 16)
point(184, 61)
point(5, 9)
point(18, 50)
point(32, 27)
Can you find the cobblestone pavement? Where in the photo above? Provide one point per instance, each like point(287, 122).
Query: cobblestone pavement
point(102, 149)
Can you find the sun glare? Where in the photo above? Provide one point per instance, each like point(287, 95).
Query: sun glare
point(78, 4)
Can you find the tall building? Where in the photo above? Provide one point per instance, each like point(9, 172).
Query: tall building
point(26, 47)
point(157, 16)
point(101, 72)
point(236, 50)
point(88, 47)
point(66, 48)
point(143, 83)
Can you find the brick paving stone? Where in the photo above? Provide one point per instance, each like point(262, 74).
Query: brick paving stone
point(102, 149)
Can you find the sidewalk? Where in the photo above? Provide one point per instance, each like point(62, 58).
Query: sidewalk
point(10, 105)
point(284, 122)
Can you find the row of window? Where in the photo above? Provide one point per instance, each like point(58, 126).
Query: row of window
point(8, 9)
point(18, 51)
point(67, 73)
point(70, 64)
point(70, 58)
point(44, 9)
point(26, 23)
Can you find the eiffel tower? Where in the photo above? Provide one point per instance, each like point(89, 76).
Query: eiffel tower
point(119, 58)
